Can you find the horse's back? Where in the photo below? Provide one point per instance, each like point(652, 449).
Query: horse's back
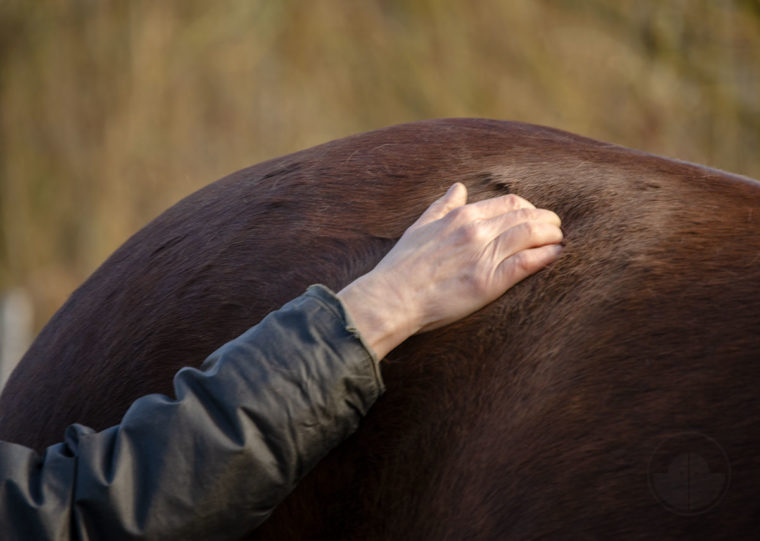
point(567, 408)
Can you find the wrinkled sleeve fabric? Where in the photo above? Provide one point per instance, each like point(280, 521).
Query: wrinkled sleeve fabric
point(215, 461)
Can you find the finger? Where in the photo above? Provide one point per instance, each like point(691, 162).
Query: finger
point(504, 222)
point(456, 196)
point(526, 262)
point(526, 235)
point(488, 232)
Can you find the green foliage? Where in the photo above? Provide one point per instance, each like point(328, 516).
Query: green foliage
point(112, 110)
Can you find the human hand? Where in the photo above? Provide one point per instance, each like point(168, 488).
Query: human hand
point(452, 261)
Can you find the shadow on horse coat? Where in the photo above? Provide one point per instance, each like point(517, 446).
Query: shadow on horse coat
point(555, 411)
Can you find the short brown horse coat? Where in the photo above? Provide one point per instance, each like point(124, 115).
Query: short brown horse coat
point(537, 416)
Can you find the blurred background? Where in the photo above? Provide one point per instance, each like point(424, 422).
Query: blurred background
point(110, 111)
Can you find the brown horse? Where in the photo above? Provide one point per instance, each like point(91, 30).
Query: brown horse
point(613, 394)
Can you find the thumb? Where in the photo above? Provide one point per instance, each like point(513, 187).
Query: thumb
point(456, 196)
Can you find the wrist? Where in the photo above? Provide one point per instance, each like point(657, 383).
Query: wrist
point(380, 319)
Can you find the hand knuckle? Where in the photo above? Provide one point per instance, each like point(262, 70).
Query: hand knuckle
point(461, 214)
point(532, 229)
point(513, 200)
point(473, 232)
point(522, 260)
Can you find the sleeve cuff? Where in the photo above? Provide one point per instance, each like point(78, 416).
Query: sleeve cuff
point(330, 301)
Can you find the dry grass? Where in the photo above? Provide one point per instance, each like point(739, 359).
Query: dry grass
point(112, 110)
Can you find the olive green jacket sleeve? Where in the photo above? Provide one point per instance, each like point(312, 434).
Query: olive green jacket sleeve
point(212, 464)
